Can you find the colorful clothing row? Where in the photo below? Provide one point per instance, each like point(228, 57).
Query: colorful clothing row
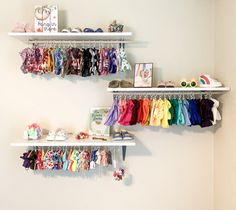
point(164, 112)
point(74, 160)
point(74, 61)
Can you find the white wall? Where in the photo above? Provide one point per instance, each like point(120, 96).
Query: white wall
point(171, 169)
point(225, 144)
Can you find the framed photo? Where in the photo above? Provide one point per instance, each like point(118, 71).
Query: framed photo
point(143, 74)
point(97, 119)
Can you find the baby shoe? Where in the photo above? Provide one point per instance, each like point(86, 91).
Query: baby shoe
point(161, 84)
point(117, 136)
point(61, 135)
point(126, 135)
point(19, 27)
point(99, 30)
point(51, 136)
point(114, 84)
point(206, 81)
point(170, 84)
point(66, 30)
point(76, 30)
point(125, 84)
point(88, 30)
point(28, 28)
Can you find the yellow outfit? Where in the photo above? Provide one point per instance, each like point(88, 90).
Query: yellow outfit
point(166, 114)
point(157, 112)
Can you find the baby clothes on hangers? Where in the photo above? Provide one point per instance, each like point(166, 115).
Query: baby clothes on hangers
point(134, 116)
point(73, 61)
point(185, 111)
point(127, 115)
point(87, 64)
point(140, 111)
point(112, 116)
point(206, 112)
point(215, 112)
point(145, 110)
point(57, 159)
point(123, 62)
point(180, 115)
point(163, 112)
point(112, 61)
point(166, 114)
point(157, 112)
point(195, 118)
point(171, 110)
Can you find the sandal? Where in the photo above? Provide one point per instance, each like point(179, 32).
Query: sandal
point(58, 135)
point(161, 84)
point(117, 136)
point(114, 84)
point(125, 84)
point(66, 30)
point(61, 135)
point(126, 135)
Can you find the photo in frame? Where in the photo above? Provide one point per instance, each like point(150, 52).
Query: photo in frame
point(143, 73)
point(98, 117)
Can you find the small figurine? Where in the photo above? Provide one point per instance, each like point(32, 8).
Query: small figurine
point(115, 27)
point(33, 132)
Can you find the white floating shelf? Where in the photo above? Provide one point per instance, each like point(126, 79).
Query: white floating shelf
point(173, 90)
point(71, 142)
point(25, 37)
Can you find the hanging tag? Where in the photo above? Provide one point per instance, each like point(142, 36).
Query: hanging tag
point(92, 165)
point(114, 162)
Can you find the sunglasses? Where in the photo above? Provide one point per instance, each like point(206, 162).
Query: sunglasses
point(191, 83)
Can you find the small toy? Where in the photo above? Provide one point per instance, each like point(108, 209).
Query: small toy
point(115, 27)
point(119, 174)
point(184, 83)
point(33, 132)
point(82, 135)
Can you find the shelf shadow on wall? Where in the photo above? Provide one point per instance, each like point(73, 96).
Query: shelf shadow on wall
point(90, 174)
point(78, 79)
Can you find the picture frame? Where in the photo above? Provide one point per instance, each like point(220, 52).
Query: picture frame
point(98, 117)
point(143, 74)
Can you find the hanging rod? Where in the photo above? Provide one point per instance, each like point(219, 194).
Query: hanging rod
point(166, 93)
point(78, 41)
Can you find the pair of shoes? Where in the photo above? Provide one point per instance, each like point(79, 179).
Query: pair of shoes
point(89, 30)
point(74, 30)
point(192, 83)
point(22, 27)
point(122, 135)
point(79, 30)
point(205, 80)
point(122, 84)
point(58, 135)
point(162, 84)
